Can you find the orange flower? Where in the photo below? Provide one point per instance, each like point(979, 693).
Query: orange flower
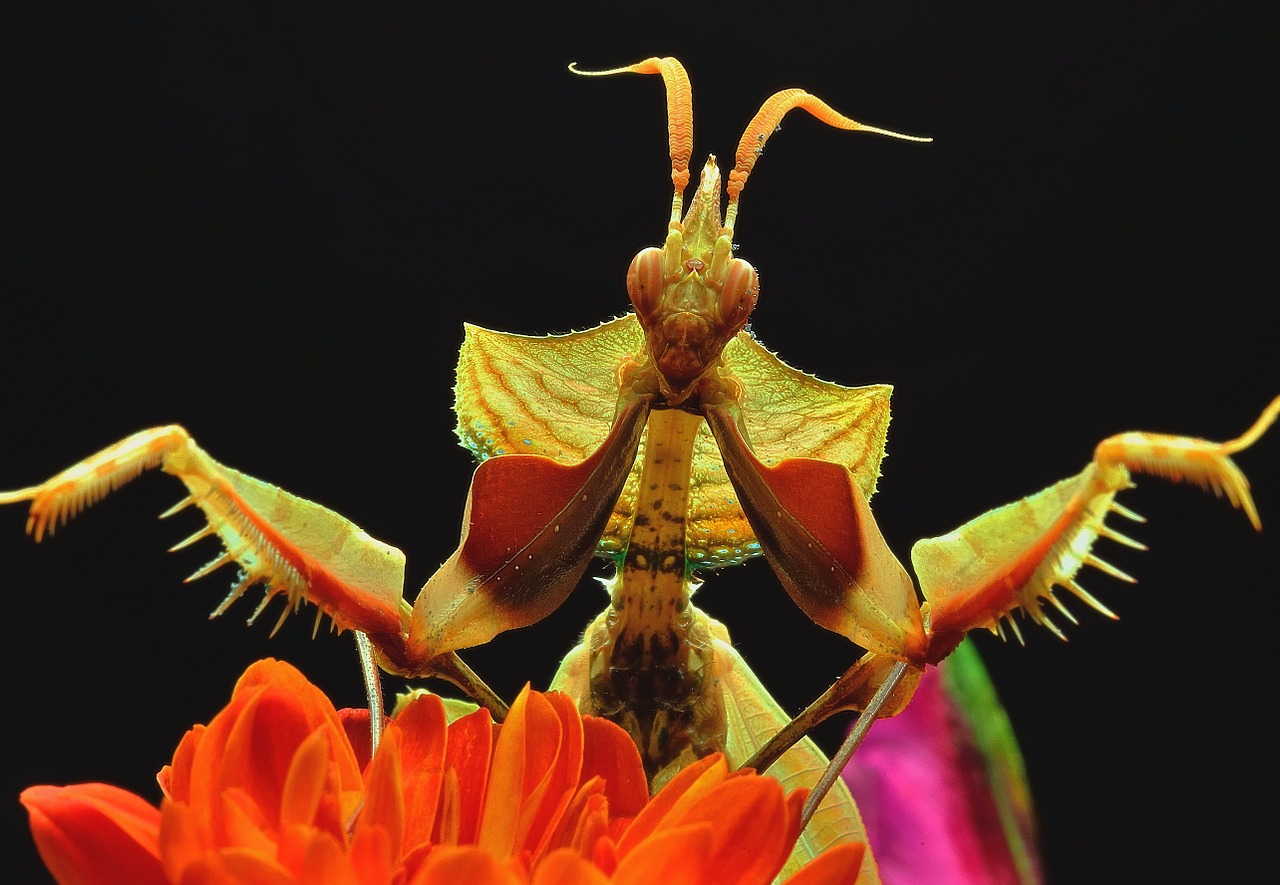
point(279, 788)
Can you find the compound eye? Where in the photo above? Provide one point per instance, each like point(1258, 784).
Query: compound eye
point(738, 293)
point(644, 281)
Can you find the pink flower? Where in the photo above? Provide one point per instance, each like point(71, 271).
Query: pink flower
point(941, 786)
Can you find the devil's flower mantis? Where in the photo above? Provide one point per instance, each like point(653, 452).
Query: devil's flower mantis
point(670, 442)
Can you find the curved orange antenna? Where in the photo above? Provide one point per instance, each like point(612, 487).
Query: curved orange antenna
point(679, 116)
point(765, 123)
point(1246, 439)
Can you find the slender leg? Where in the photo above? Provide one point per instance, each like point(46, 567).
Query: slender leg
point(851, 743)
point(372, 688)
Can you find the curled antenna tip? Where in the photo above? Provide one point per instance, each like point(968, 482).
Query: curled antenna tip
point(1250, 436)
point(629, 69)
point(889, 132)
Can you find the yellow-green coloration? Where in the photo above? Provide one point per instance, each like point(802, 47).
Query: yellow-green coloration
point(554, 396)
point(653, 589)
point(648, 676)
point(649, 661)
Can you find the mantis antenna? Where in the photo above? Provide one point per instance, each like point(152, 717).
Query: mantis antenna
point(750, 146)
point(679, 117)
point(767, 121)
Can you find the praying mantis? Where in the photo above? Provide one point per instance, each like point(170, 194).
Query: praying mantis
point(692, 417)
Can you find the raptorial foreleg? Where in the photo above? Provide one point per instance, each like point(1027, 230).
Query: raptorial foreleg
point(1014, 556)
point(292, 547)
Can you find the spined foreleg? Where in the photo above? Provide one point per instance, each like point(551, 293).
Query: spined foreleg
point(1014, 556)
point(290, 546)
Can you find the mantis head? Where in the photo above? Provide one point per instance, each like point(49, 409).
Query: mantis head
point(691, 295)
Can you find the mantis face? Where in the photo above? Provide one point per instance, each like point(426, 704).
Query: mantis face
point(691, 296)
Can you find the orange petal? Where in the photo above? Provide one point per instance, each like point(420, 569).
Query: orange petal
point(249, 746)
point(673, 800)
point(371, 856)
point(384, 796)
point(497, 833)
point(608, 751)
point(241, 824)
point(238, 865)
point(557, 787)
point(835, 866)
point(585, 819)
point(260, 746)
point(175, 778)
point(675, 856)
point(564, 866)
point(603, 849)
point(467, 755)
point(795, 808)
point(454, 864)
point(749, 819)
point(356, 725)
point(95, 833)
point(181, 848)
point(423, 733)
point(316, 708)
point(317, 858)
point(305, 781)
point(528, 741)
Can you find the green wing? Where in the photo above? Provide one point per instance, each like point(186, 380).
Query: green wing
point(753, 717)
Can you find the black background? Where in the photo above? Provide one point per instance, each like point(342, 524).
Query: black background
point(268, 222)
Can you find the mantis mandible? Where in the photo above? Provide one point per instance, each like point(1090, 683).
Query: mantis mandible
point(670, 442)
